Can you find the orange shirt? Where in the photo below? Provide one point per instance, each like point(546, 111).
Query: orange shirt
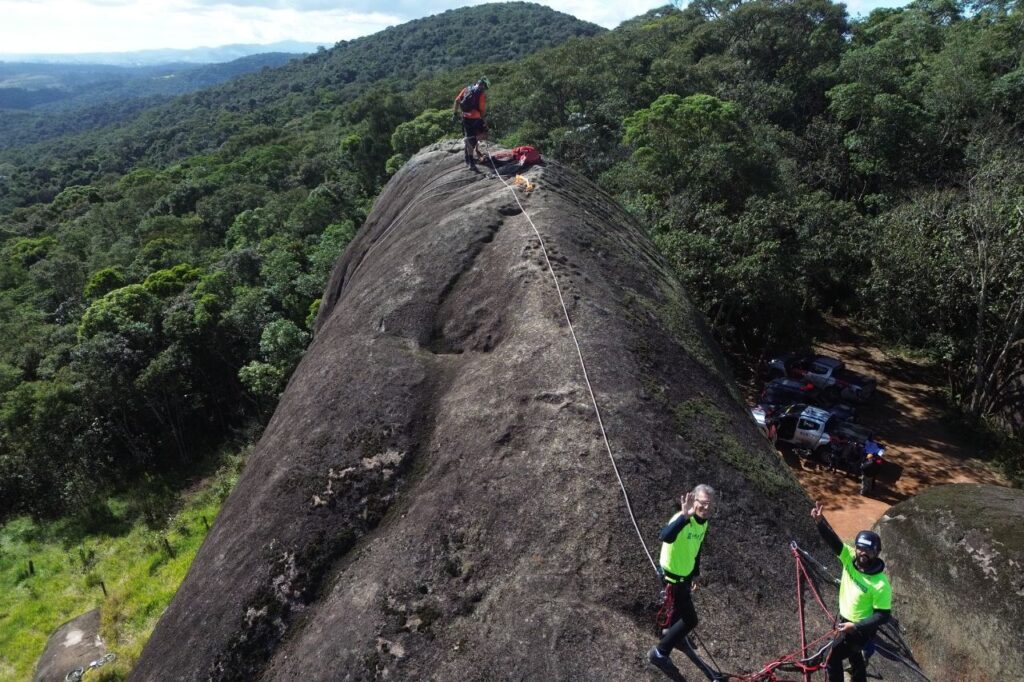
point(481, 105)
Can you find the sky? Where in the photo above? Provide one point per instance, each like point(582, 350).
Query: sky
point(76, 26)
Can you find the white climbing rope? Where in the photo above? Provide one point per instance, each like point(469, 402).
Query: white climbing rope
point(583, 364)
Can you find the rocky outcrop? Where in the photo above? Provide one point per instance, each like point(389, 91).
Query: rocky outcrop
point(73, 645)
point(956, 560)
point(432, 499)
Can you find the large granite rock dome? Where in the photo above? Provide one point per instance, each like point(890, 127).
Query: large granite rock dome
point(432, 499)
point(955, 555)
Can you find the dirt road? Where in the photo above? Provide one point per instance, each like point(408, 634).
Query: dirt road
point(907, 415)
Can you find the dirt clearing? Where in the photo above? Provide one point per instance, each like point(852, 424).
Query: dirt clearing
point(907, 414)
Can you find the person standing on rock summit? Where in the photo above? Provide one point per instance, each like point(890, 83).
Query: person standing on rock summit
point(472, 103)
point(681, 542)
point(865, 598)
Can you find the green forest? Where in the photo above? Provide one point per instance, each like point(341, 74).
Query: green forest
point(158, 279)
point(159, 276)
point(43, 101)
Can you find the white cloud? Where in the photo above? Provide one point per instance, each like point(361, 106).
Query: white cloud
point(53, 26)
point(61, 26)
point(607, 14)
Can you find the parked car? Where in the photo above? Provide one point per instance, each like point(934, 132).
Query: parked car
point(819, 431)
point(783, 392)
point(829, 375)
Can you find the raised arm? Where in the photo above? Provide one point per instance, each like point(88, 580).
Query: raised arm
point(671, 530)
point(825, 530)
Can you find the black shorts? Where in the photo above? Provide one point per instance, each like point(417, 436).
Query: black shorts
point(473, 126)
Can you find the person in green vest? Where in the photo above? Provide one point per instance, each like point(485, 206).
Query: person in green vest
point(681, 541)
point(865, 597)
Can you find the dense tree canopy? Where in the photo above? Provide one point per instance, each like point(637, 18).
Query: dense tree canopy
point(158, 279)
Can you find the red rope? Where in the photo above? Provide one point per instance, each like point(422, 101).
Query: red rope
point(800, 610)
point(664, 616)
point(767, 673)
point(817, 597)
point(794, 658)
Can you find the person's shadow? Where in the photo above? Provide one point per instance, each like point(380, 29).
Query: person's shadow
point(671, 673)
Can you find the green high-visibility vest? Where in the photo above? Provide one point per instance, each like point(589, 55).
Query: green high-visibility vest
point(861, 593)
point(679, 557)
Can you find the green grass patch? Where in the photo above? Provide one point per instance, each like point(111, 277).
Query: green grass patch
point(139, 557)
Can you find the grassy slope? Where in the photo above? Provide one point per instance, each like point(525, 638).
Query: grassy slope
point(131, 559)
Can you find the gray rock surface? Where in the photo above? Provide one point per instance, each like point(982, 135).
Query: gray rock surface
point(432, 499)
point(955, 556)
point(74, 644)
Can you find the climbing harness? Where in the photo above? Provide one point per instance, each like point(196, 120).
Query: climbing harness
point(583, 364)
point(667, 600)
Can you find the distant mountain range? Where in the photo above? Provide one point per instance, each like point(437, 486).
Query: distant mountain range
point(61, 87)
point(40, 102)
point(198, 55)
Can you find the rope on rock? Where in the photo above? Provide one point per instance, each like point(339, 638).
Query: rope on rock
point(812, 655)
point(583, 364)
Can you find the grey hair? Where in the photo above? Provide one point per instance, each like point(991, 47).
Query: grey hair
point(707, 490)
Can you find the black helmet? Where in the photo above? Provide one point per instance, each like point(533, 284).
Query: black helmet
point(867, 539)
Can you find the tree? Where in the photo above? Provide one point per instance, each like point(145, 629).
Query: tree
point(697, 145)
point(949, 276)
point(429, 127)
point(130, 311)
point(102, 282)
point(171, 281)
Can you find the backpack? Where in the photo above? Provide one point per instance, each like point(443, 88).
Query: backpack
point(470, 100)
point(527, 153)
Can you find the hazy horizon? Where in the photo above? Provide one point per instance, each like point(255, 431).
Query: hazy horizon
point(74, 27)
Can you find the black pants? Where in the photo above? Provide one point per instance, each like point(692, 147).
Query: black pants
point(848, 647)
point(682, 618)
point(867, 477)
point(472, 127)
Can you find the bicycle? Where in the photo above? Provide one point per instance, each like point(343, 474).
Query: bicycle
point(77, 674)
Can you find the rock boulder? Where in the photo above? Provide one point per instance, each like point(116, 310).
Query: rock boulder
point(955, 555)
point(432, 499)
point(73, 645)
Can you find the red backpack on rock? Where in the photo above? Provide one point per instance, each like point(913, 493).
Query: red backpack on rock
point(524, 155)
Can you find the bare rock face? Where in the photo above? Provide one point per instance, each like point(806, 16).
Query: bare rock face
point(955, 556)
point(432, 499)
point(73, 645)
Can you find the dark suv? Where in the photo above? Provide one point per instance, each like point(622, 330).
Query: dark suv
point(782, 392)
